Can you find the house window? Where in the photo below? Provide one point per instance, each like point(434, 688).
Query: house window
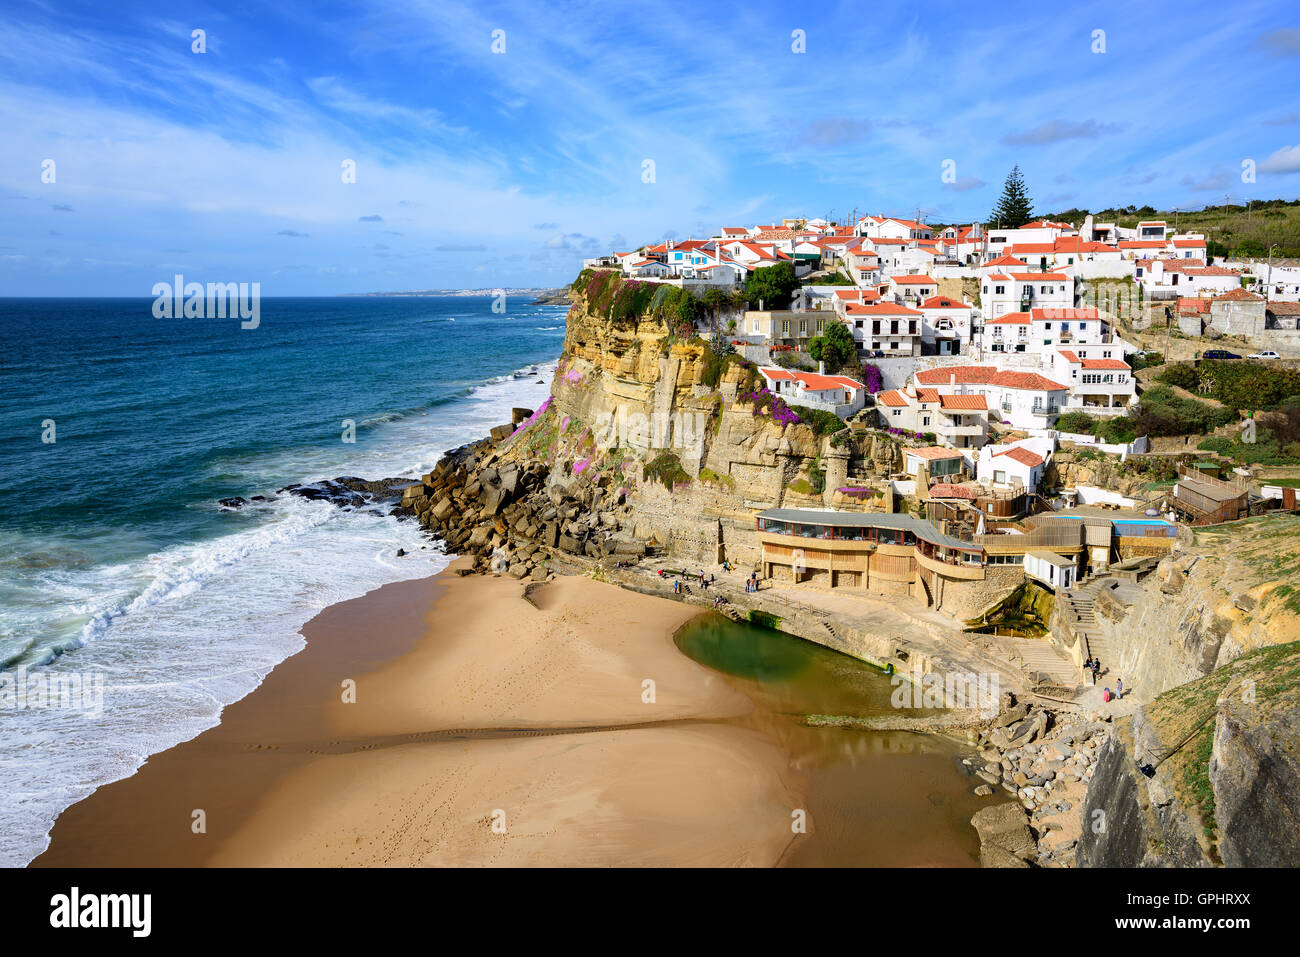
point(925, 420)
point(785, 326)
point(895, 411)
point(1000, 477)
point(1000, 290)
point(803, 326)
point(893, 345)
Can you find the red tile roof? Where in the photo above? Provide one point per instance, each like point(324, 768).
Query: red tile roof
point(1105, 364)
point(1068, 355)
point(913, 280)
point(932, 452)
point(1238, 295)
point(892, 398)
point(1032, 276)
point(882, 309)
point(943, 302)
point(927, 395)
point(971, 402)
point(1070, 313)
point(1027, 380)
point(964, 375)
point(1011, 318)
point(1005, 260)
point(1022, 455)
point(944, 490)
point(812, 380)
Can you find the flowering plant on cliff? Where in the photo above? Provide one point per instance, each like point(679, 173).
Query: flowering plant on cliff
point(872, 379)
point(857, 491)
point(764, 401)
point(541, 410)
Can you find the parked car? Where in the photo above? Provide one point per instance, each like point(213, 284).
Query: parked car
point(1219, 354)
point(1266, 354)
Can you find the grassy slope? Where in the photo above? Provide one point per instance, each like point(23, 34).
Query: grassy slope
point(1229, 225)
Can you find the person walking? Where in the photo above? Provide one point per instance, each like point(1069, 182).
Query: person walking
point(1119, 687)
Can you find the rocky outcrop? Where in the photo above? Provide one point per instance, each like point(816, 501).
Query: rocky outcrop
point(1005, 840)
point(1207, 774)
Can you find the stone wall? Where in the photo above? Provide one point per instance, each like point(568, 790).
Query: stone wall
point(964, 600)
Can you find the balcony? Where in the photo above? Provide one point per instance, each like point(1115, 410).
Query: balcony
point(959, 430)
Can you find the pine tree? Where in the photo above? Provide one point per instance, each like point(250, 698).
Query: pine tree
point(1014, 208)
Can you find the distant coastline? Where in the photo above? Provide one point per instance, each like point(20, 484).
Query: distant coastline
point(542, 296)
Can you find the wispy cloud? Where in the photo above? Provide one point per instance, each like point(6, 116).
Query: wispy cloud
point(1285, 160)
point(1056, 131)
point(1284, 41)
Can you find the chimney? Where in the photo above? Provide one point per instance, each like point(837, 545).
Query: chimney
point(821, 367)
point(952, 379)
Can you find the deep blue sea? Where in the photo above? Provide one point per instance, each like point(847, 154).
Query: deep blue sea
point(116, 559)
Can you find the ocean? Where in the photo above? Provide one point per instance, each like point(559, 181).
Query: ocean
point(119, 433)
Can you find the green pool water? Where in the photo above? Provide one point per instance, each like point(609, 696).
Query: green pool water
point(874, 798)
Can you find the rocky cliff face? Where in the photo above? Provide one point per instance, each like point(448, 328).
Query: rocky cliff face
point(1207, 774)
point(641, 390)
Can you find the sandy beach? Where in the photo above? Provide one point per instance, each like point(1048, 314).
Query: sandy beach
point(451, 722)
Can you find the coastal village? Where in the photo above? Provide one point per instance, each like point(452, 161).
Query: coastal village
point(938, 449)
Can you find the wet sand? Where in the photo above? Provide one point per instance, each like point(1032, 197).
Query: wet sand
point(484, 730)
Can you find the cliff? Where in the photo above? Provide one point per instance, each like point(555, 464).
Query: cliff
point(1222, 781)
point(629, 376)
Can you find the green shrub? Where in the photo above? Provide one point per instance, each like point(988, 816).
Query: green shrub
point(1079, 423)
point(1242, 384)
point(820, 421)
point(1185, 377)
point(666, 468)
point(1117, 431)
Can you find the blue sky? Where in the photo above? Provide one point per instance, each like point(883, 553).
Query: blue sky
point(482, 169)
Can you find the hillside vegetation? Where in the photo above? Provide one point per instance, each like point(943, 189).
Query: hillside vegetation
point(1238, 230)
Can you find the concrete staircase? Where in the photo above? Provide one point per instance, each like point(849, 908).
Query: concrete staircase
point(1080, 603)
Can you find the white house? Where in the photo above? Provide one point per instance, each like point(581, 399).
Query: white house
point(946, 325)
point(1055, 571)
point(646, 269)
point(1001, 293)
point(1066, 326)
point(912, 290)
point(1097, 386)
point(1025, 400)
point(890, 328)
point(1007, 333)
point(1018, 464)
point(885, 227)
point(832, 393)
point(863, 266)
point(958, 421)
point(1185, 277)
point(939, 462)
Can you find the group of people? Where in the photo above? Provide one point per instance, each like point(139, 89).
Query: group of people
point(1094, 665)
point(705, 580)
